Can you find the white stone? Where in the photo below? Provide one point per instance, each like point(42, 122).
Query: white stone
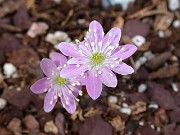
point(174, 87)
point(154, 106)
point(124, 3)
point(176, 24)
point(142, 60)
point(57, 37)
point(161, 34)
point(148, 55)
point(57, 1)
point(141, 123)
point(138, 40)
point(142, 88)
point(173, 4)
point(3, 103)
point(126, 111)
point(125, 105)
point(81, 21)
point(9, 69)
point(137, 65)
point(112, 99)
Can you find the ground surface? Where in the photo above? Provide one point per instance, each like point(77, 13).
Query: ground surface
point(144, 103)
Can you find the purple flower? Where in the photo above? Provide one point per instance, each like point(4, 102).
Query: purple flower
point(65, 89)
point(96, 57)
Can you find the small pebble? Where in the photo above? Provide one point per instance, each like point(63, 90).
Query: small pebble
point(81, 21)
point(112, 99)
point(152, 126)
point(57, 1)
point(174, 87)
point(50, 127)
point(57, 37)
point(125, 105)
point(173, 4)
point(148, 55)
point(174, 58)
point(161, 34)
point(141, 123)
point(137, 65)
point(124, 3)
point(3, 103)
point(138, 40)
point(37, 28)
point(126, 111)
point(154, 106)
point(176, 24)
point(142, 60)
point(142, 88)
point(9, 69)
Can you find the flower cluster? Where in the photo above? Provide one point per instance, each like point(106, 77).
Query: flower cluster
point(92, 63)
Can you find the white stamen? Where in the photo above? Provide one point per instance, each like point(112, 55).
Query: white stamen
point(77, 99)
point(48, 78)
point(70, 92)
point(45, 90)
point(120, 60)
point(82, 74)
point(99, 43)
point(115, 58)
point(110, 34)
point(78, 65)
point(65, 65)
point(111, 74)
point(92, 43)
point(77, 41)
point(67, 103)
point(59, 68)
point(78, 83)
point(55, 97)
point(99, 72)
point(111, 65)
point(96, 75)
point(86, 44)
point(51, 102)
point(117, 45)
point(73, 84)
point(109, 54)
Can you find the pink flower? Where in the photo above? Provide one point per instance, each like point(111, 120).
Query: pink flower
point(58, 88)
point(96, 57)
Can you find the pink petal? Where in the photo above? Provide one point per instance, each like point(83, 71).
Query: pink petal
point(68, 49)
point(123, 69)
point(40, 86)
point(58, 59)
point(78, 61)
point(95, 31)
point(93, 84)
point(125, 51)
point(72, 71)
point(113, 37)
point(48, 66)
point(71, 106)
point(49, 101)
point(108, 77)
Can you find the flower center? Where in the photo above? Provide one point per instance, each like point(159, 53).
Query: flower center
point(60, 81)
point(97, 58)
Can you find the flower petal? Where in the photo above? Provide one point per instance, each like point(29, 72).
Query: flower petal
point(123, 69)
point(48, 66)
point(69, 49)
point(93, 84)
point(125, 51)
point(72, 71)
point(40, 86)
point(111, 38)
point(78, 61)
point(108, 77)
point(49, 101)
point(95, 31)
point(58, 59)
point(70, 104)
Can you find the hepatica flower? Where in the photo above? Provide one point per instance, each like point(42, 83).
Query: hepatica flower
point(58, 88)
point(96, 57)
